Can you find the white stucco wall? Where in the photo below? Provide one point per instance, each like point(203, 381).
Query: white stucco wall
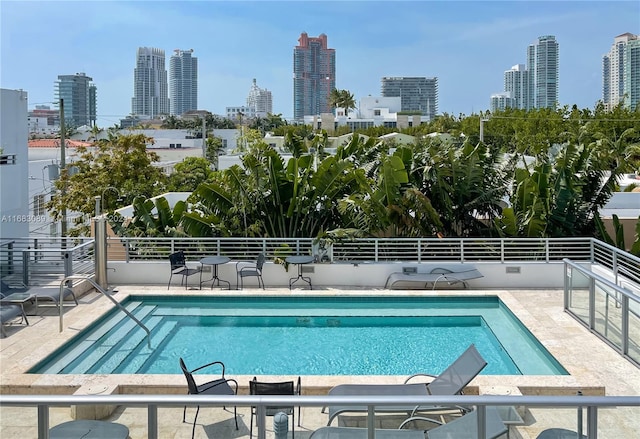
point(14, 133)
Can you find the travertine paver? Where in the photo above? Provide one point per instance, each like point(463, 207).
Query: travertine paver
point(590, 361)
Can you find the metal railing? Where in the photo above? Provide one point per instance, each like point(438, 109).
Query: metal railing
point(98, 288)
point(370, 249)
point(592, 404)
point(609, 310)
point(42, 260)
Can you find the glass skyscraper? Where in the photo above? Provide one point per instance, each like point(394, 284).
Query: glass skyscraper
point(183, 82)
point(259, 101)
point(621, 72)
point(314, 76)
point(150, 90)
point(542, 63)
point(417, 94)
point(79, 95)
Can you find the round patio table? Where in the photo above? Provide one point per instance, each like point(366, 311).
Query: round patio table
point(300, 260)
point(214, 261)
point(89, 429)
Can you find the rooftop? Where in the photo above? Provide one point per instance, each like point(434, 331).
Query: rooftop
point(594, 367)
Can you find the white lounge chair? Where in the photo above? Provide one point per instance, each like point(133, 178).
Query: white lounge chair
point(465, 427)
point(451, 381)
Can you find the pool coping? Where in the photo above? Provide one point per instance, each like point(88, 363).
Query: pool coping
point(24, 348)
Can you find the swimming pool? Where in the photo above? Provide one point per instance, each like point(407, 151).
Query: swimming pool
point(304, 335)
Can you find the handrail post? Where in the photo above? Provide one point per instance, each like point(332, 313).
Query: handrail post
point(592, 422)
point(482, 421)
point(152, 421)
point(25, 266)
point(43, 422)
point(261, 420)
point(371, 427)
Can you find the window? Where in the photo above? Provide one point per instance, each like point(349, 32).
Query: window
point(376, 112)
point(38, 205)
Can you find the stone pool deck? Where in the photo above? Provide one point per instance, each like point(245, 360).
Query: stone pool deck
point(594, 368)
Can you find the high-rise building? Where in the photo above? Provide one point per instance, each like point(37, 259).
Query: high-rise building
point(150, 90)
point(259, 101)
point(183, 82)
point(79, 95)
point(516, 83)
point(314, 76)
point(542, 63)
point(501, 101)
point(417, 94)
point(621, 72)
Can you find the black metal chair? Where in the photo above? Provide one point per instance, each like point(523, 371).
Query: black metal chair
point(179, 267)
point(280, 388)
point(250, 269)
point(219, 386)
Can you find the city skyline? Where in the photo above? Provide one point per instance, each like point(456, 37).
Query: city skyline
point(466, 45)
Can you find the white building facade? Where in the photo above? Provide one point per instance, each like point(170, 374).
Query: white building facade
point(150, 88)
point(183, 82)
point(621, 72)
point(14, 165)
point(259, 101)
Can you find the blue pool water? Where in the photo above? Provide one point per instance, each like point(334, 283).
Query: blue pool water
point(308, 335)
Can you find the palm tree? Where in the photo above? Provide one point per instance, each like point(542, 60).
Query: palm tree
point(342, 99)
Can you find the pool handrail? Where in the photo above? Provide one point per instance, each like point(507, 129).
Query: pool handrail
point(43, 402)
point(98, 288)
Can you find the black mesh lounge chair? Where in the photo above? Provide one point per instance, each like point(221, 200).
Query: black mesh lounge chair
point(250, 269)
point(179, 268)
point(281, 388)
point(219, 386)
point(464, 427)
point(451, 381)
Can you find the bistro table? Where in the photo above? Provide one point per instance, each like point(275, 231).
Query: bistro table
point(21, 299)
point(214, 261)
point(300, 260)
point(89, 429)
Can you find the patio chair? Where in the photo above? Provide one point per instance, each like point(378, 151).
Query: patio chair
point(7, 289)
point(451, 381)
point(281, 388)
point(464, 427)
point(53, 293)
point(9, 312)
point(250, 269)
point(219, 386)
point(179, 268)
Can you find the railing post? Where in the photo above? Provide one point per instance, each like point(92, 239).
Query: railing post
point(482, 421)
point(592, 302)
point(371, 427)
point(625, 325)
point(43, 422)
point(152, 421)
point(592, 422)
point(68, 264)
point(261, 420)
point(25, 267)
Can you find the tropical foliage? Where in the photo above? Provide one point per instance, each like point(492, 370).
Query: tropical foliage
point(121, 162)
point(540, 173)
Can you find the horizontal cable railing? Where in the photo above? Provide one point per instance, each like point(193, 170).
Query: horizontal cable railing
point(592, 405)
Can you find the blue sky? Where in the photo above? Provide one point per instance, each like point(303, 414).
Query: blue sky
point(467, 45)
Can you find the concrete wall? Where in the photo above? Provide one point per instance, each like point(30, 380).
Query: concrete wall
point(365, 275)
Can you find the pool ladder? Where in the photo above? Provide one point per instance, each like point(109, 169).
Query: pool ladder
point(104, 293)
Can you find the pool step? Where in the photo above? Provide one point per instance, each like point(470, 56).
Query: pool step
point(139, 358)
point(105, 338)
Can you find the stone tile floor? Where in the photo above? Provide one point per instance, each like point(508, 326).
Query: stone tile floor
point(593, 366)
